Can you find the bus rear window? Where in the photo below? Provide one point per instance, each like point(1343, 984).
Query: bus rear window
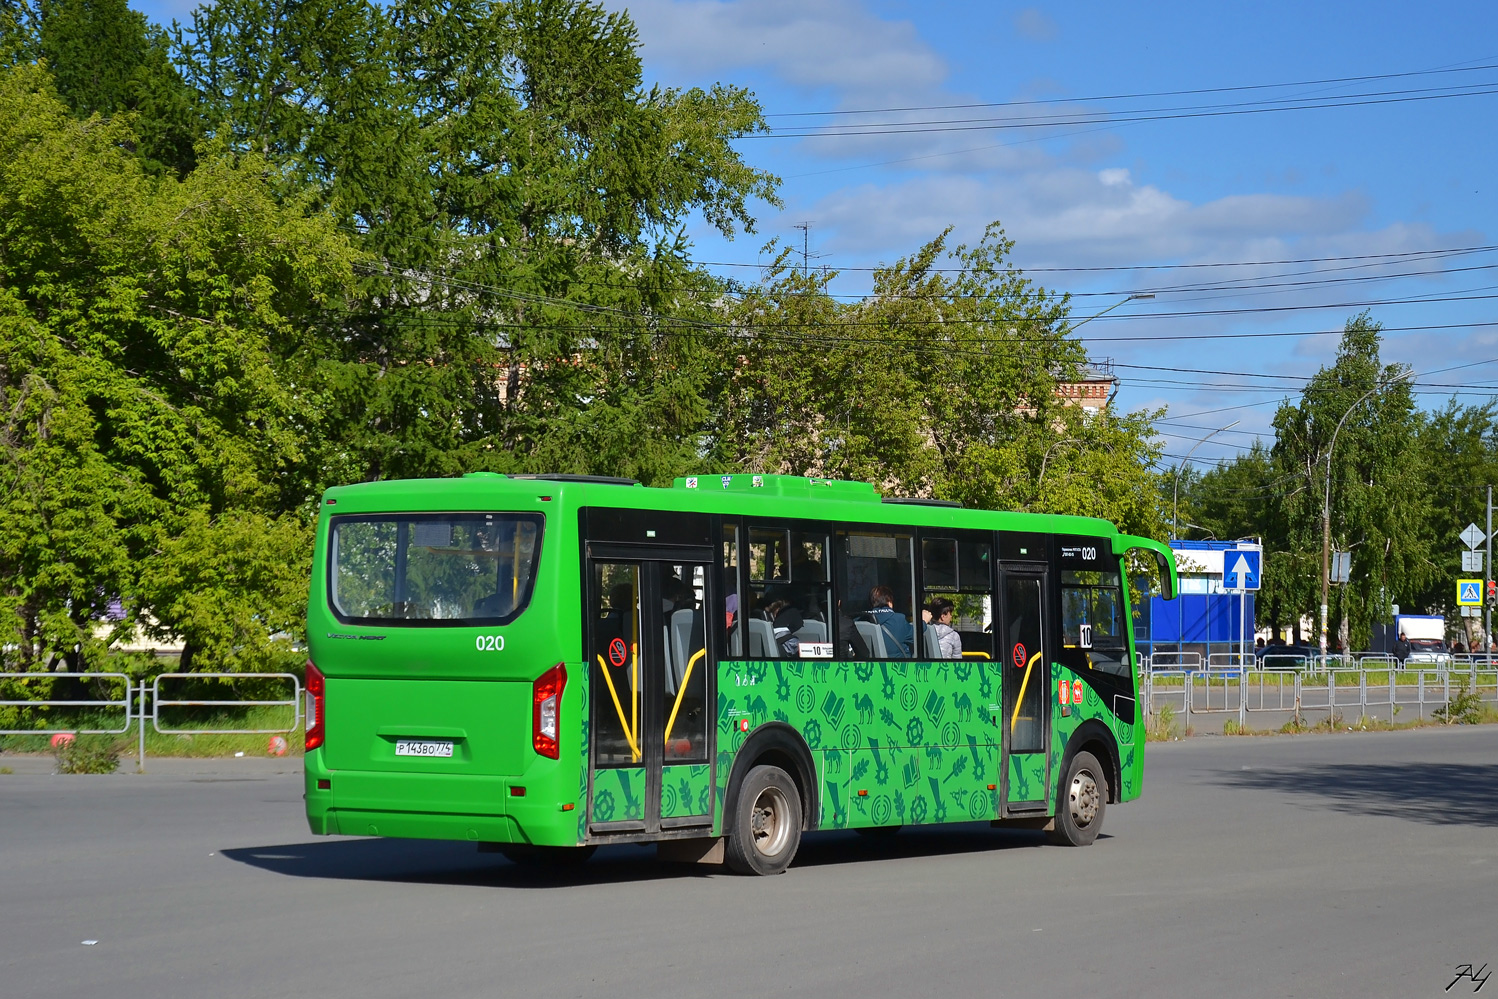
point(433, 569)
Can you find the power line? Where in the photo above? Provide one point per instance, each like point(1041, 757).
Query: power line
point(1261, 285)
point(923, 128)
point(940, 321)
point(1402, 255)
point(1141, 96)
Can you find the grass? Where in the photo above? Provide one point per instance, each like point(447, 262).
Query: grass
point(193, 744)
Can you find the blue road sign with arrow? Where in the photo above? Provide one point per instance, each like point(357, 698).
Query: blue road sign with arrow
point(1240, 569)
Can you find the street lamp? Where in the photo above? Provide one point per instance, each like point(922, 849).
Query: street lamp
point(1326, 504)
point(1176, 495)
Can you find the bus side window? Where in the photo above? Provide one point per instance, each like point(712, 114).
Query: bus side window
point(1092, 627)
point(875, 597)
point(960, 572)
point(731, 645)
point(789, 601)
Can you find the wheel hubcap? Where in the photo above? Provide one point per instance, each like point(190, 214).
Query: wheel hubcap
point(768, 823)
point(1084, 798)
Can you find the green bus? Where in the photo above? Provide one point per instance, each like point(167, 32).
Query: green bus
point(542, 664)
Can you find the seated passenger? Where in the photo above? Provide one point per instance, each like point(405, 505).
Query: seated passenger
point(882, 612)
point(940, 610)
point(786, 619)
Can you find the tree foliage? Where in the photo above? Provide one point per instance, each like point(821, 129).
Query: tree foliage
point(296, 243)
point(1403, 484)
point(152, 333)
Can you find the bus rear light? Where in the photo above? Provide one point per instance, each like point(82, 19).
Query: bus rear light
point(546, 711)
point(316, 705)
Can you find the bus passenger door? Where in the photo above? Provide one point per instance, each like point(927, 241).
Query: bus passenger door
point(1025, 670)
point(650, 679)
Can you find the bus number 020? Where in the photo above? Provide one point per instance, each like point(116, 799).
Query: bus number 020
point(1089, 554)
point(490, 643)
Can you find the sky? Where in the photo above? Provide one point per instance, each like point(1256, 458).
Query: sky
point(1126, 147)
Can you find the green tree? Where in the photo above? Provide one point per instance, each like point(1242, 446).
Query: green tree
point(153, 336)
point(1379, 503)
point(935, 385)
point(523, 211)
point(107, 59)
point(1459, 448)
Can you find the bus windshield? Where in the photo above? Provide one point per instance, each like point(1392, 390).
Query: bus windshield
point(432, 569)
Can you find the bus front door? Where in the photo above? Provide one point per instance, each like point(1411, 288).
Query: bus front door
point(1025, 671)
point(650, 683)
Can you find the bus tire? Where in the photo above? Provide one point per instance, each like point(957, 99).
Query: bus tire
point(766, 823)
point(1081, 801)
point(526, 855)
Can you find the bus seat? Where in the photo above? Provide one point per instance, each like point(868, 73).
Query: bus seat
point(873, 637)
point(932, 644)
point(762, 640)
point(812, 631)
point(672, 674)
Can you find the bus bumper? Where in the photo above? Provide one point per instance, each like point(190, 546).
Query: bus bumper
point(436, 806)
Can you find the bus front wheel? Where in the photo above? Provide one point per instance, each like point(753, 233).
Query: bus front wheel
point(767, 823)
point(1081, 801)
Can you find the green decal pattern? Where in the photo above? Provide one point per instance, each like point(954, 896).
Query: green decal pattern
point(685, 790)
point(918, 738)
point(1027, 778)
point(585, 762)
point(1129, 737)
point(618, 794)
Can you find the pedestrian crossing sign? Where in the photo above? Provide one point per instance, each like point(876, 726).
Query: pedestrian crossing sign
point(1469, 592)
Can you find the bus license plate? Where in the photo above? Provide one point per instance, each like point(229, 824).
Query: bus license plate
point(424, 747)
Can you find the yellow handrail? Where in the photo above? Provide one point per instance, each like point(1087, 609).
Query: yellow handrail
point(681, 690)
point(1014, 719)
point(976, 655)
point(634, 749)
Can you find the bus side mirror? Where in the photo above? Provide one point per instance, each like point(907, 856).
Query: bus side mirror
point(1167, 579)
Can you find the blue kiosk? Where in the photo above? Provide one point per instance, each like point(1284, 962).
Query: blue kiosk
point(1205, 618)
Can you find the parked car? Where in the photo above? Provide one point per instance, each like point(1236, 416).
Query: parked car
point(1280, 656)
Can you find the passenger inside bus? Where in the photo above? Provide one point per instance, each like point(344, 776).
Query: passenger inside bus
point(896, 625)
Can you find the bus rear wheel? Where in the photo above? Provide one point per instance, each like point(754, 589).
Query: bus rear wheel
point(767, 823)
point(1081, 801)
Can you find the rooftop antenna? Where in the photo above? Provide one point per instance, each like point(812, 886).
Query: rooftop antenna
point(806, 254)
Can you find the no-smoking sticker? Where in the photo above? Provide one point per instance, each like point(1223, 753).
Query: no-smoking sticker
point(618, 653)
point(1019, 655)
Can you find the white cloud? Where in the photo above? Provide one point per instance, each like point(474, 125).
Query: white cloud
point(810, 44)
point(1032, 23)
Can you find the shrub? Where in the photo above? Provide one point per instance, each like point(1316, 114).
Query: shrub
point(88, 754)
point(1464, 707)
point(1162, 725)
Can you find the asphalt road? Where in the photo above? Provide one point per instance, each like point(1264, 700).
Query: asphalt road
point(1358, 864)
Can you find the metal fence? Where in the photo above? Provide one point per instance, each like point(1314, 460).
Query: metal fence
point(141, 703)
point(1316, 690)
